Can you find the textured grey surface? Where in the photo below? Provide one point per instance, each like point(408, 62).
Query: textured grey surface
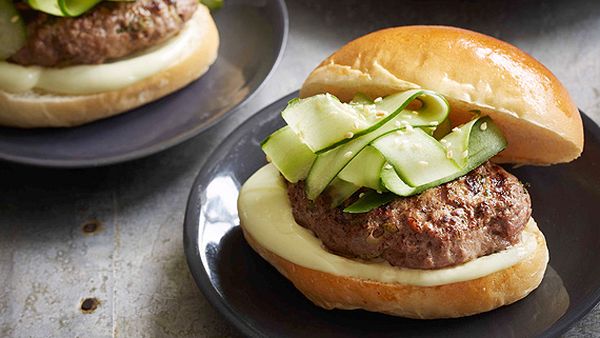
point(134, 264)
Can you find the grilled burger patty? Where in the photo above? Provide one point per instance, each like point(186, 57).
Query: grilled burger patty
point(478, 214)
point(111, 30)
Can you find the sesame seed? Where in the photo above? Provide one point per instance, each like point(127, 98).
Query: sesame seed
point(455, 129)
point(409, 127)
point(399, 132)
point(378, 99)
point(483, 126)
point(449, 154)
point(415, 112)
point(348, 154)
point(380, 114)
point(268, 158)
point(465, 153)
point(387, 166)
point(423, 163)
point(349, 134)
point(14, 19)
point(443, 141)
point(361, 194)
point(400, 142)
point(434, 123)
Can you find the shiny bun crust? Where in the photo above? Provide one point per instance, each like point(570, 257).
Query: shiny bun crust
point(475, 72)
point(34, 110)
point(445, 301)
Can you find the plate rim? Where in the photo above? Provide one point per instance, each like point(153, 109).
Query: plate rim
point(200, 275)
point(281, 44)
point(191, 235)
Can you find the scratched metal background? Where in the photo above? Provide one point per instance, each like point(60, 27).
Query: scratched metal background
point(134, 263)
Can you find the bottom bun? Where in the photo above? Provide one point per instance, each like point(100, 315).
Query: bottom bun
point(35, 109)
point(421, 302)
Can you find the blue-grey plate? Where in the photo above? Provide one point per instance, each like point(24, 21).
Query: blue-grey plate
point(252, 38)
point(260, 302)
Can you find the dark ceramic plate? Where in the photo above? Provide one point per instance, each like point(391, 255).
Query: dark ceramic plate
point(252, 34)
point(260, 302)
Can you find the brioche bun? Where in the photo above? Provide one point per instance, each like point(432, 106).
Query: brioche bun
point(332, 281)
point(41, 109)
point(420, 302)
point(474, 72)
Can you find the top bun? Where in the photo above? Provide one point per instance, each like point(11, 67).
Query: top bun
point(475, 72)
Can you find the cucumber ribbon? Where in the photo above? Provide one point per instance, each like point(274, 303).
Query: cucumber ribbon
point(72, 8)
point(339, 148)
point(69, 8)
point(212, 4)
point(12, 29)
point(323, 122)
point(474, 143)
point(63, 7)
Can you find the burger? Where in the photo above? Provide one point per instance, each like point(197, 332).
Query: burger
point(64, 63)
point(384, 192)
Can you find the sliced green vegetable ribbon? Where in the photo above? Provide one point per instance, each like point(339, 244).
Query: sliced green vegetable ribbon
point(312, 119)
point(328, 165)
point(369, 201)
point(416, 156)
point(324, 123)
point(212, 4)
point(46, 6)
point(70, 8)
point(76, 7)
point(484, 140)
point(12, 29)
point(292, 158)
point(364, 169)
point(340, 190)
point(337, 148)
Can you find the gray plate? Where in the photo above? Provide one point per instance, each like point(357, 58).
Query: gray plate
point(253, 35)
point(260, 302)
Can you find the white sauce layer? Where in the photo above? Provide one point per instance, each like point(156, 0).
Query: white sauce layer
point(90, 79)
point(265, 211)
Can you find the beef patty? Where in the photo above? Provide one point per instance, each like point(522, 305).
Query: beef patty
point(109, 31)
point(475, 215)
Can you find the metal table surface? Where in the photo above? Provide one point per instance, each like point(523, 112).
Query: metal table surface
point(114, 234)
